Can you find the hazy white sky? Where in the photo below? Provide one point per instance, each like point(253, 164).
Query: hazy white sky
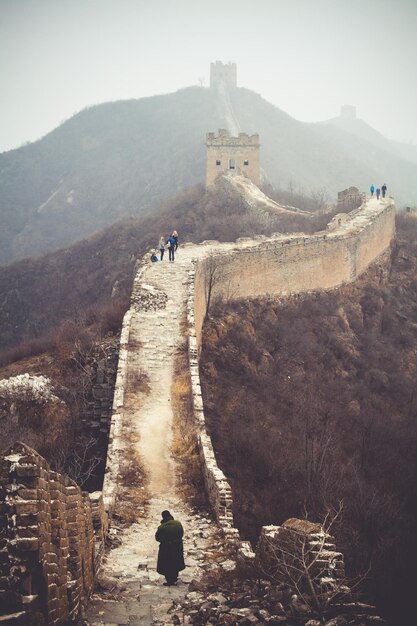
point(308, 57)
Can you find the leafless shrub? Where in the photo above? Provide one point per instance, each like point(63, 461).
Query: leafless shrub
point(308, 563)
point(80, 462)
point(213, 275)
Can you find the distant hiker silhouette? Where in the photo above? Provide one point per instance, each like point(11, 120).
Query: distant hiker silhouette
point(384, 190)
point(378, 193)
point(171, 551)
point(372, 189)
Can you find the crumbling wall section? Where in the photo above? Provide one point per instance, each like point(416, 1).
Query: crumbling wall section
point(350, 199)
point(96, 417)
point(303, 555)
point(51, 541)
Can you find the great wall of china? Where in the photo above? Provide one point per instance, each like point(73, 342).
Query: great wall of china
point(54, 534)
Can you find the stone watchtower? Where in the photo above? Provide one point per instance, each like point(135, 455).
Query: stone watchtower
point(232, 155)
point(348, 112)
point(223, 75)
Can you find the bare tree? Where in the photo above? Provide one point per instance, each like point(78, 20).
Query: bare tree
point(80, 463)
point(320, 197)
point(303, 555)
point(213, 275)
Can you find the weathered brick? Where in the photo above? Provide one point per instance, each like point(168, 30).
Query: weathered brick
point(29, 471)
point(25, 507)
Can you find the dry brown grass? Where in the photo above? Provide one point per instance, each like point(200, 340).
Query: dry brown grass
point(133, 494)
point(184, 446)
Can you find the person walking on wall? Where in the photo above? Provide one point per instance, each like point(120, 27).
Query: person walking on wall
point(161, 247)
point(378, 193)
point(175, 236)
point(384, 190)
point(171, 550)
point(372, 189)
point(170, 242)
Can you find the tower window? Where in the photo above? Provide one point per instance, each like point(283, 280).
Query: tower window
point(246, 162)
point(218, 162)
point(232, 164)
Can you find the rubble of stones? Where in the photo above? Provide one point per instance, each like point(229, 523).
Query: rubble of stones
point(247, 603)
point(148, 298)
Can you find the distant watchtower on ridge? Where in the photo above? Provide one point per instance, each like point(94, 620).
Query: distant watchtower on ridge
point(223, 75)
point(232, 155)
point(348, 112)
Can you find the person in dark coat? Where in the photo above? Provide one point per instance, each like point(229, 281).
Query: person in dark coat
point(171, 551)
point(175, 237)
point(170, 242)
point(384, 190)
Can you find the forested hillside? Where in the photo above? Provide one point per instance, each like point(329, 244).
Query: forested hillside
point(311, 402)
point(72, 283)
point(121, 159)
point(111, 161)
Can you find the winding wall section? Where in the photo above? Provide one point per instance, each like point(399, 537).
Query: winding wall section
point(251, 268)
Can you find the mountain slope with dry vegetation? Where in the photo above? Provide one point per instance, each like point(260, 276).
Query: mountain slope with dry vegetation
point(96, 274)
point(312, 401)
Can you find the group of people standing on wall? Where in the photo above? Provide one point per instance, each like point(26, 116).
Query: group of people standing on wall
point(378, 191)
point(171, 243)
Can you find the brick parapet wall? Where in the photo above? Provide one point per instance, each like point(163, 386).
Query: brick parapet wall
point(115, 447)
point(48, 543)
point(217, 487)
point(281, 265)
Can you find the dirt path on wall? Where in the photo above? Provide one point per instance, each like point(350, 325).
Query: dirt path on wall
point(132, 592)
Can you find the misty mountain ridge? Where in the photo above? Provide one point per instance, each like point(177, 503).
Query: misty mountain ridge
point(360, 128)
point(121, 159)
